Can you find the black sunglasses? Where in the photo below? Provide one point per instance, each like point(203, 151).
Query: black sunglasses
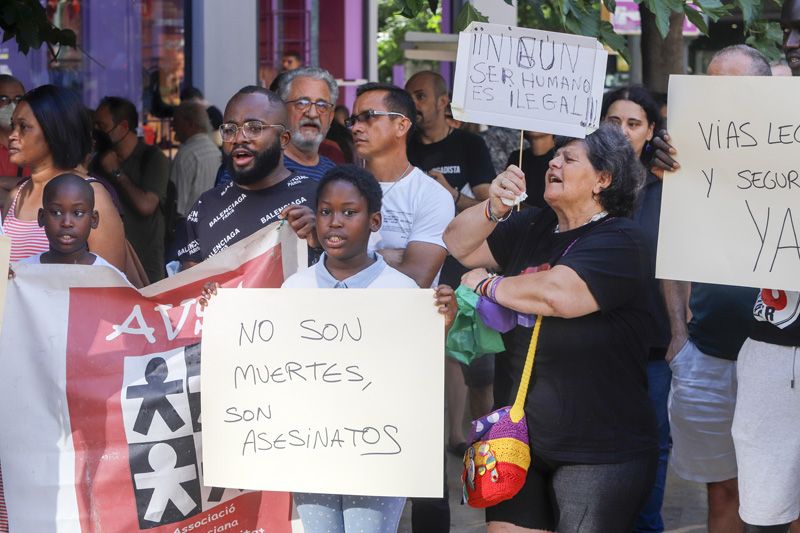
point(368, 115)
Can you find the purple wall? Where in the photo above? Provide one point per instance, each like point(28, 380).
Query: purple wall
point(446, 67)
point(353, 47)
point(112, 36)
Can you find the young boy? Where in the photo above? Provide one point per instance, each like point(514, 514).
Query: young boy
point(348, 211)
point(68, 216)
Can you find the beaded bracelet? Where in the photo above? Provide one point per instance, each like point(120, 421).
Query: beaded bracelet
point(491, 217)
point(480, 288)
point(492, 289)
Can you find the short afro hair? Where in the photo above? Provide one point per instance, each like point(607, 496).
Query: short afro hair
point(275, 102)
point(361, 178)
point(52, 188)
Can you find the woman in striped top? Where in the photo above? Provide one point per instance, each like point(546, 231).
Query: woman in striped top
point(51, 134)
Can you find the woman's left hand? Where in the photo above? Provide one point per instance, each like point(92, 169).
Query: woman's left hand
point(473, 277)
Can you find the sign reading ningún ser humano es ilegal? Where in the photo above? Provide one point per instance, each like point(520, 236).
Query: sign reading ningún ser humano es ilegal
point(529, 79)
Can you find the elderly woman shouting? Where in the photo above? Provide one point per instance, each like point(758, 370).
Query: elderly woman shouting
point(582, 265)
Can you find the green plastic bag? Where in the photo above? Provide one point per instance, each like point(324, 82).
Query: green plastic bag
point(469, 337)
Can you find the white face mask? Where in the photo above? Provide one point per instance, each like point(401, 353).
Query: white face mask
point(5, 115)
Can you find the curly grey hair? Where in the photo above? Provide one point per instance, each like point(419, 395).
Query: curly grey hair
point(610, 151)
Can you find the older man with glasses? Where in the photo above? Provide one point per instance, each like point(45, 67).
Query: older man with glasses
point(310, 95)
point(263, 190)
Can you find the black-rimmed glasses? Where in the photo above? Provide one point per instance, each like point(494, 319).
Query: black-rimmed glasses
point(369, 114)
point(304, 104)
point(252, 129)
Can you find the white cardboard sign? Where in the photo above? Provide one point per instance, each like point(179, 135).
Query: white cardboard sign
point(529, 79)
point(324, 390)
point(731, 213)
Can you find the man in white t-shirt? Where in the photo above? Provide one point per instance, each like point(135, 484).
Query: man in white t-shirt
point(416, 209)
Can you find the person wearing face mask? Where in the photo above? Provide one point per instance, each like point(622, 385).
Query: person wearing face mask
point(139, 173)
point(11, 91)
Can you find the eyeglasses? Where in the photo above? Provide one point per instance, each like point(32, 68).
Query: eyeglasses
point(303, 104)
point(252, 129)
point(368, 115)
point(5, 100)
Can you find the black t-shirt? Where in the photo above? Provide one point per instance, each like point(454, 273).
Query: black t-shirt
point(462, 157)
point(228, 213)
point(777, 317)
point(721, 316)
point(647, 213)
point(588, 401)
point(534, 167)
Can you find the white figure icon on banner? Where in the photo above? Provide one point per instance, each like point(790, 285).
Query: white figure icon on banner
point(165, 480)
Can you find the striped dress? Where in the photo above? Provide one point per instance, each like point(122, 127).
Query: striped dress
point(3, 511)
point(27, 238)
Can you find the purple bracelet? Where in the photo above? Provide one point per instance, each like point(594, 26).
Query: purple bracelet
point(493, 288)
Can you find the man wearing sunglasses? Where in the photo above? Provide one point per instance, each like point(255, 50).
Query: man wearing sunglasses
point(416, 209)
point(11, 90)
point(310, 94)
point(263, 190)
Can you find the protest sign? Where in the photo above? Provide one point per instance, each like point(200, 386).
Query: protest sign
point(731, 213)
point(324, 390)
point(529, 79)
point(100, 398)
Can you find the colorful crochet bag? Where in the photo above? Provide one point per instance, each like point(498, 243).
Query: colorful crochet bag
point(496, 463)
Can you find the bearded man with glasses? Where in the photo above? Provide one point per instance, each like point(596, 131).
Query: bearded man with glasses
point(310, 95)
point(263, 190)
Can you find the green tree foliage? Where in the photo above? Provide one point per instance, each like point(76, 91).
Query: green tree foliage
point(582, 17)
point(26, 22)
point(395, 19)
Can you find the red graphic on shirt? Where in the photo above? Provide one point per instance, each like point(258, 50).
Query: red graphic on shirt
point(133, 376)
point(774, 299)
